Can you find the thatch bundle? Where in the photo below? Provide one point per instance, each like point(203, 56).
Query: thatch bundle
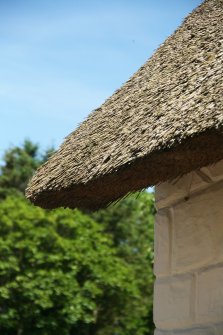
point(166, 120)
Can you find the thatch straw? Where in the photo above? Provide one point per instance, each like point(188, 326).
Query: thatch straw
point(166, 120)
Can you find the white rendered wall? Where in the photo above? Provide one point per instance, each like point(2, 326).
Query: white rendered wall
point(188, 297)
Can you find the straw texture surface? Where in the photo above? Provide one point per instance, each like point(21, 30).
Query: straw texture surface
point(166, 120)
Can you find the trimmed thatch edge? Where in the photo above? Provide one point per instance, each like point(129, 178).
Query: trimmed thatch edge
point(201, 150)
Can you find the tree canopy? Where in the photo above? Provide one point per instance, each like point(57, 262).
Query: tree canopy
point(68, 272)
point(130, 225)
point(19, 164)
point(55, 269)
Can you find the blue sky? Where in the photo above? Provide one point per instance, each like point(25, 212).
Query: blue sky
point(59, 60)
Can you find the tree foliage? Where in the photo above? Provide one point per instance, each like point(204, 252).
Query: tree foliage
point(19, 165)
point(69, 273)
point(130, 225)
point(55, 268)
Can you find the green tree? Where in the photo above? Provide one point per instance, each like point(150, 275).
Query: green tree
point(121, 308)
point(55, 268)
point(130, 225)
point(19, 164)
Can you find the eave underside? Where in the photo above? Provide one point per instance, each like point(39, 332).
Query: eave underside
point(190, 155)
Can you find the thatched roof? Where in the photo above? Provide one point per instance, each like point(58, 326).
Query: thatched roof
point(166, 120)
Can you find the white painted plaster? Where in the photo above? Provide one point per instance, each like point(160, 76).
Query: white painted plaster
point(188, 295)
